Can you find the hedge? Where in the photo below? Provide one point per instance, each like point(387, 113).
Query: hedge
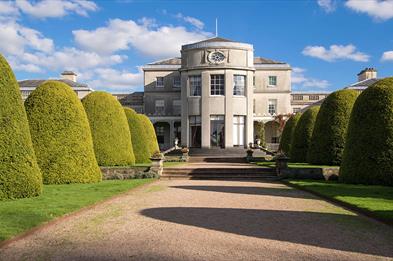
point(151, 134)
point(287, 134)
point(368, 152)
point(260, 132)
point(61, 135)
point(328, 138)
point(302, 135)
point(20, 175)
point(140, 142)
point(109, 127)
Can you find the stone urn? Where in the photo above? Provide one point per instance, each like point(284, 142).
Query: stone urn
point(249, 156)
point(157, 160)
point(281, 164)
point(184, 152)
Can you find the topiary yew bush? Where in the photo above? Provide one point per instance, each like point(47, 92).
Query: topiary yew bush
point(109, 127)
point(302, 135)
point(140, 143)
point(151, 134)
point(328, 138)
point(287, 134)
point(61, 135)
point(20, 175)
point(368, 152)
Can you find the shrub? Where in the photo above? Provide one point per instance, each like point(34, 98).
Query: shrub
point(260, 132)
point(109, 127)
point(287, 134)
point(140, 143)
point(20, 175)
point(368, 152)
point(328, 138)
point(302, 135)
point(61, 135)
point(151, 134)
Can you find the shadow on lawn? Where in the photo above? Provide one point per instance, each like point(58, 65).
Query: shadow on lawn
point(262, 191)
point(327, 230)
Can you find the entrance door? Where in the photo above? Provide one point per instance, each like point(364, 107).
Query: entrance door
point(238, 131)
point(217, 136)
point(195, 131)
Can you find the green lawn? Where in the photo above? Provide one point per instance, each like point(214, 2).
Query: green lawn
point(272, 164)
point(17, 216)
point(173, 163)
point(376, 199)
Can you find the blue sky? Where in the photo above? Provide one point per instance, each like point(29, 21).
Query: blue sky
point(327, 42)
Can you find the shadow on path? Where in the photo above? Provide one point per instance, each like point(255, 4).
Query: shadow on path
point(263, 191)
point(327, 230)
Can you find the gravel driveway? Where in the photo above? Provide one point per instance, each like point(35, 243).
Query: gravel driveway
point(210, 220)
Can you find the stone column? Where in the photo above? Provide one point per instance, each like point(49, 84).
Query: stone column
point(171, 133)
point(249, 124)
point(205, 110)
point(228, 108)
point(184, 110)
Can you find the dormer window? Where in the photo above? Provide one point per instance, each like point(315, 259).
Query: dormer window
point(160, 82)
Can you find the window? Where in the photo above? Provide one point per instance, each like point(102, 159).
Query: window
point(176, 82)
point(177, 107)
point(297, 97)
point(272, 81)
point(195, 85)
point(239, 84)
point(313, 97)
point(217, 126)
point(195, 131)
point(253, 106)
point(160, 132)
point(253, 81)
point(160, 82)
point(238, 130)
point(295, 110)
point(275, 140)
point(160, 107)
point(217, 84)
point(272, 106)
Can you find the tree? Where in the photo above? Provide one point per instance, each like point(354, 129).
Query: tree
point(302, 135)
point(109, 127)
point(151, 134)
point(368, 152)
point(287, 134)
point(328, 138)
point(61, 135)
point(20, 175)
point(140, 141)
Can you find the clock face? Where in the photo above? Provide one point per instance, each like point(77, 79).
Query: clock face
point(216, 57)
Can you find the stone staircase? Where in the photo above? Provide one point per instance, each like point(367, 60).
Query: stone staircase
point(219, 168)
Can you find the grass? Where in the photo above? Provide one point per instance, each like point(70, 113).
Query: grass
point(17, 216)
point(272, 164)
point(376, 200)
point(173, 163)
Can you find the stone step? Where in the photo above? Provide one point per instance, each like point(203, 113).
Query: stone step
point(222, 177)
point(219, 171)
point(217, 159)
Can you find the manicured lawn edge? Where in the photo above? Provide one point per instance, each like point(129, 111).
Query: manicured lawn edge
point(340, 203)
point(67, 216)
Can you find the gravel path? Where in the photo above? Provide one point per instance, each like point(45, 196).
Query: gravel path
point(210, 220)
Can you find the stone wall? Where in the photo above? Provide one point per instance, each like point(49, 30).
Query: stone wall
point(328, 173)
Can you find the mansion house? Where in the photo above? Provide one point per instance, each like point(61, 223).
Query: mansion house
point(212, 95)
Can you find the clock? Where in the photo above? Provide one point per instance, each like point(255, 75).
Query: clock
point(216, 57)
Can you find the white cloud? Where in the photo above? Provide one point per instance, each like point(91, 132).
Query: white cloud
point(300, 81)
point(8, 8)
point(380, 10)
point(56, 8)
point(118, 35)
point(116, 81)
point(16, 38)
point(387, 56)
point(327, 5)
point(336, 52)
point(191, 20)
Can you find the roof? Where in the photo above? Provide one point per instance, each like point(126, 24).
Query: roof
point(261, 60)
point(170, 61)
point(133, 99)
point(215, 39)
point(364, 83)
point(36, 83)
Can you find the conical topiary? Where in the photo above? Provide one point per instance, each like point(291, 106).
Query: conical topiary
point(140, 142)
point(151, 134)
point(368, 152)
point(61, 135)
point(20, 175)
point(287, 134)
point(302, 135)
point(328, 138)
point(109, 127)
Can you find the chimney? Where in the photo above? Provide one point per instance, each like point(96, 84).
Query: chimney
point(69, 75)
point(367, 73)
